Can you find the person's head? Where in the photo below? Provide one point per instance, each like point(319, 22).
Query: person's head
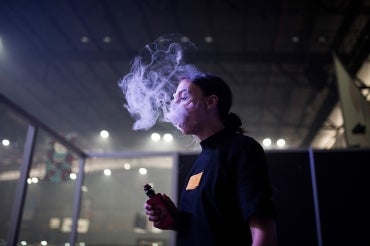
point(202, 102)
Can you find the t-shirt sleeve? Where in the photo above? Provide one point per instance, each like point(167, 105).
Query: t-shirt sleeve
point(253, 182)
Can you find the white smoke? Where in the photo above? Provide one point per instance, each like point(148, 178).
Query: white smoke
point(153, 78)
point(178, 113)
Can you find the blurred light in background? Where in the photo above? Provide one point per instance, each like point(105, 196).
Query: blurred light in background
point(104, 134)
point(167, 137)
point(266, 142)
point(155, 137)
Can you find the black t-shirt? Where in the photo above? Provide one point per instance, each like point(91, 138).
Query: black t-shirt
point(226, 185)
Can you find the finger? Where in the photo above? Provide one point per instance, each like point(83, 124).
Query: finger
point(154, 218)
point(147, 206)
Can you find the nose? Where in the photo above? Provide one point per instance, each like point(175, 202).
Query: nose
point(175, 98)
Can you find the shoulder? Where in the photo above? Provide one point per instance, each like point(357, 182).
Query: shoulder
point(238, 139)
point(244, 145)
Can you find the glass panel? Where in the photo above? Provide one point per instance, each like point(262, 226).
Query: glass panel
point(112, 205)
point(13, 131)
point(48, 207)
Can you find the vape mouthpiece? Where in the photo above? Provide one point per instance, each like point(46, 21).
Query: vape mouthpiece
point(149, 190)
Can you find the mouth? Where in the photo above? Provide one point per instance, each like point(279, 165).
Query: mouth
point(176, 115)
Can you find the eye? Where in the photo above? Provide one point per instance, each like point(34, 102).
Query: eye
point(183, 98)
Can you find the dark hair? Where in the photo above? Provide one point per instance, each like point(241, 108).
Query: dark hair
point(213, 85)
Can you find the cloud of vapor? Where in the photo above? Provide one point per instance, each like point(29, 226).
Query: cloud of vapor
point(177, 113)
point(153, 78)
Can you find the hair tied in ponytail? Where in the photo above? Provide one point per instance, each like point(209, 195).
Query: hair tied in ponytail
point(234, 123)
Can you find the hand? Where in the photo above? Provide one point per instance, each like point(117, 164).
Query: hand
point(161, 211)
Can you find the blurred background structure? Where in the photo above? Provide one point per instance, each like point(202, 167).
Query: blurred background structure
point(61, 61)
point(299, 70)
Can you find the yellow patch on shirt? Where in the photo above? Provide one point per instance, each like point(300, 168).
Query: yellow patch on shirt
point(194, 181)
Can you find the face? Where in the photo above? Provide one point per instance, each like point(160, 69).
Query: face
point(187, 111)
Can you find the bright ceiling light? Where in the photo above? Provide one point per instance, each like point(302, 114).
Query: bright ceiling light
point(295, 39)
point(167, 137)
point(185, 39)
point(107, 39)
point(104, 134)
point(107, 172)
point(208, 39)
point(322, 39)
point(155, 137)
point(72, 176)
point(127, 166)
point(5, 142)
point(143, 171)
point(84, 39)
point(266, 142)
point(280, 142)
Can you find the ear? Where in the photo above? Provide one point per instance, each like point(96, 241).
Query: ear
point(212, 101)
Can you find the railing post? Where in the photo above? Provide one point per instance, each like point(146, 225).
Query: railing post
point(77, 201)
point(21, 191)
point(315, 197)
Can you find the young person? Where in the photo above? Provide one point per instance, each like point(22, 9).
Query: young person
point(227, 194)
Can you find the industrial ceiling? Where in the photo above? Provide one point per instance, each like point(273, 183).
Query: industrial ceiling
point(61, 61)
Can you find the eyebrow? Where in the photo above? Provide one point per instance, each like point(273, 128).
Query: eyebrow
point(182, 91)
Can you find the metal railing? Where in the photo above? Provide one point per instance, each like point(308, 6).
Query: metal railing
point(21, 190)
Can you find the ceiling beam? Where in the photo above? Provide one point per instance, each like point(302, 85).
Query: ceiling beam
point(120, 56)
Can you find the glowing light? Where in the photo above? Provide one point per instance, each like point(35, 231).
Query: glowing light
point(23, 243)
point(143, 171)
point(104, 134)
point(5, 142)
point(295, 39)
point(185, 39)
point(34, 180)
point(155, 137)
point(208, 39)
point(266, 142)
point(322, 39)
point(167, 137)
point(72, 176)
point(29, 181)
point(44, 243)
point(107, 172)
point(127, 166)
point(84, 39)
point(280, 142)
point(107, 39)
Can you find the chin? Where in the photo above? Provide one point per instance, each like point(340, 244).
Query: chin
point(183, 129)
point(186, 131)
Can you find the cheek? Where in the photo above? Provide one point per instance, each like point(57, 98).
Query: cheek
point(192, 106)
point(176, 114)
point(184, 114)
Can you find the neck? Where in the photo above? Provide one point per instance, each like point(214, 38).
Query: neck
point(210, 129)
